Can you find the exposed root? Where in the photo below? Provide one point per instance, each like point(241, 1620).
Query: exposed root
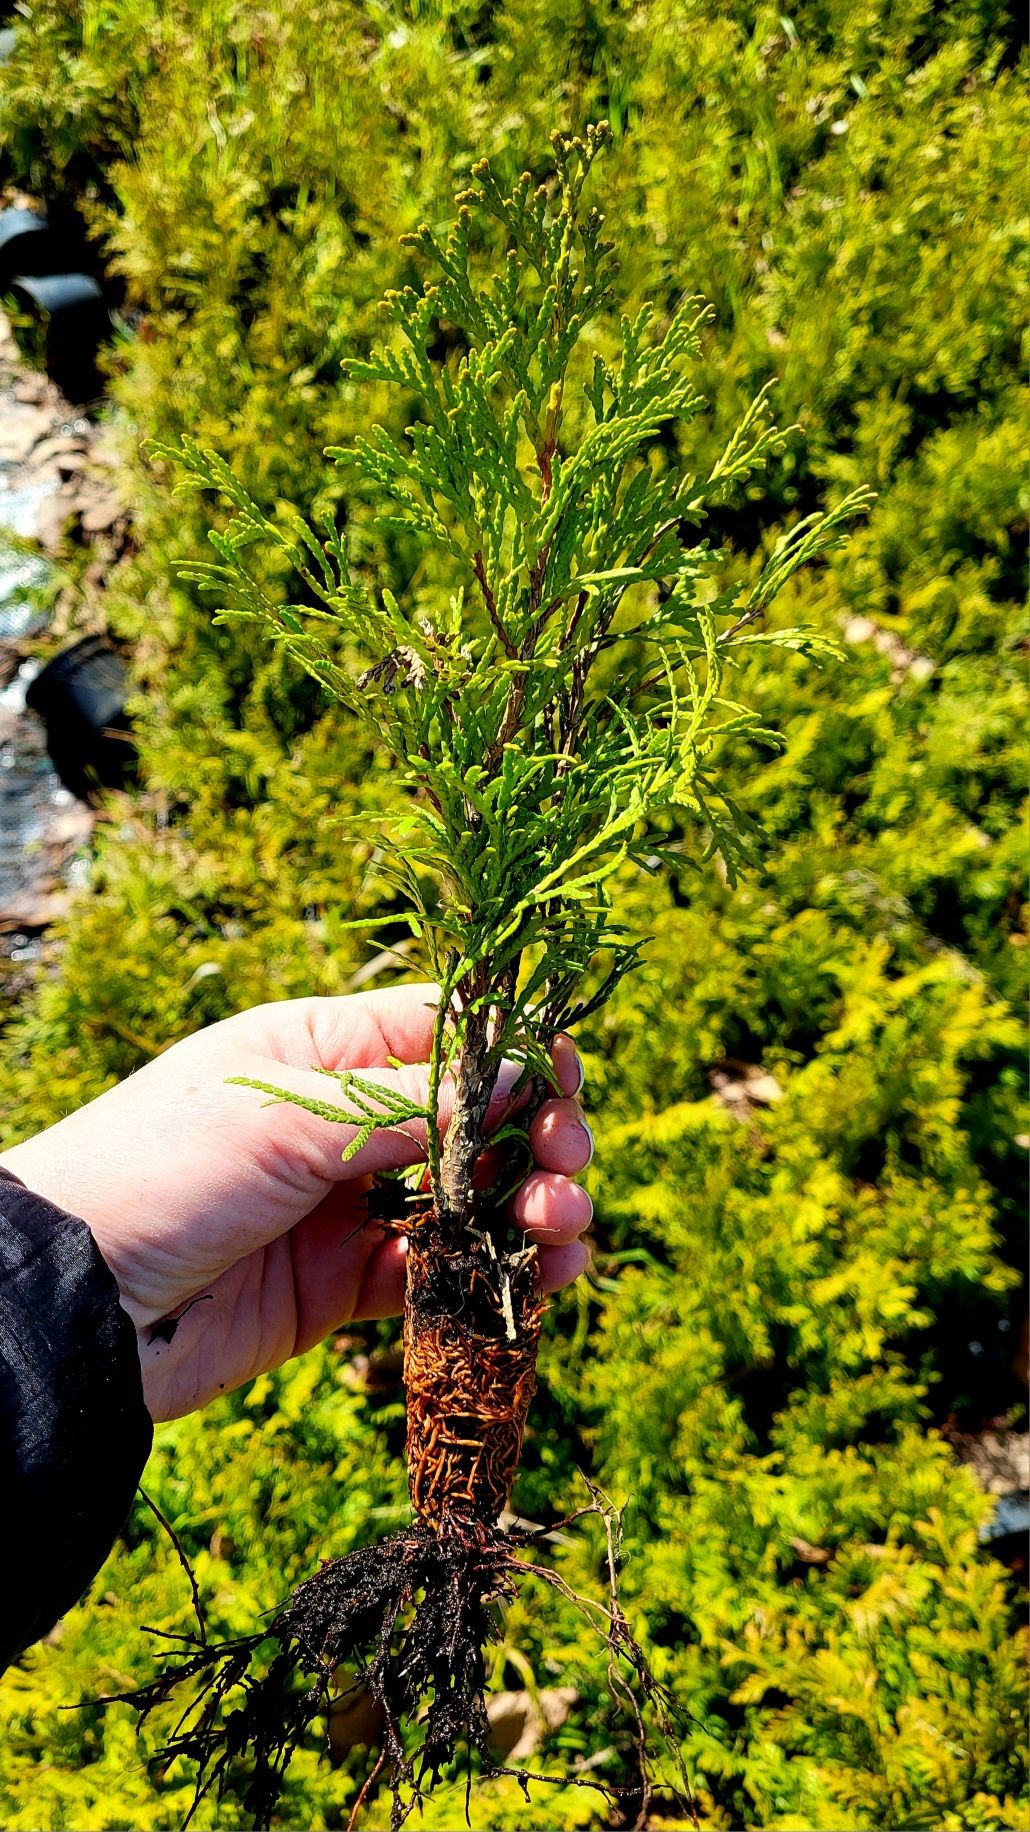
point(471, 1334)
point(413, 1617)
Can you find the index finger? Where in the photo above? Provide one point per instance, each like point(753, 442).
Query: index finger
point(366, 1030)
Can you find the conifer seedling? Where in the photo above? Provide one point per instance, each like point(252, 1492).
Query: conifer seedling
point(553, 718)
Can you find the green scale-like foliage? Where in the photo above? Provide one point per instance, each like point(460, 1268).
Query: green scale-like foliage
point(569, 696)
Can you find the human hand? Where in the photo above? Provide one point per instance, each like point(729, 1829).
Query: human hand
point(194, 1188)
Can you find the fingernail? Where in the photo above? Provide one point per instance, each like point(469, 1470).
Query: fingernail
point(563, 1037)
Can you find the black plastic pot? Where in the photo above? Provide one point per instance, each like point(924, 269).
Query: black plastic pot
point(80, 696)
point(75, 321)
point(27, 246)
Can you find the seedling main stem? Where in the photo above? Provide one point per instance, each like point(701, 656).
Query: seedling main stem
point(553, 704)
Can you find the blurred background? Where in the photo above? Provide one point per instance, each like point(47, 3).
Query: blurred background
point(799, 1359)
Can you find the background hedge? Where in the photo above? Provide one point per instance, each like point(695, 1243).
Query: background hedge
point(789, 1301)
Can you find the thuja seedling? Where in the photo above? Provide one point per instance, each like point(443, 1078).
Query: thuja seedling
point(546, 719)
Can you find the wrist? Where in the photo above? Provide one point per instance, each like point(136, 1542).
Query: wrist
point(48, 1172)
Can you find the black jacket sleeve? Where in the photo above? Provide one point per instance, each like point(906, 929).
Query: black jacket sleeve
point(74, 1431)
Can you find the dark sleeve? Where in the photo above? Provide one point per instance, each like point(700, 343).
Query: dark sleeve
point(74, 1431)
